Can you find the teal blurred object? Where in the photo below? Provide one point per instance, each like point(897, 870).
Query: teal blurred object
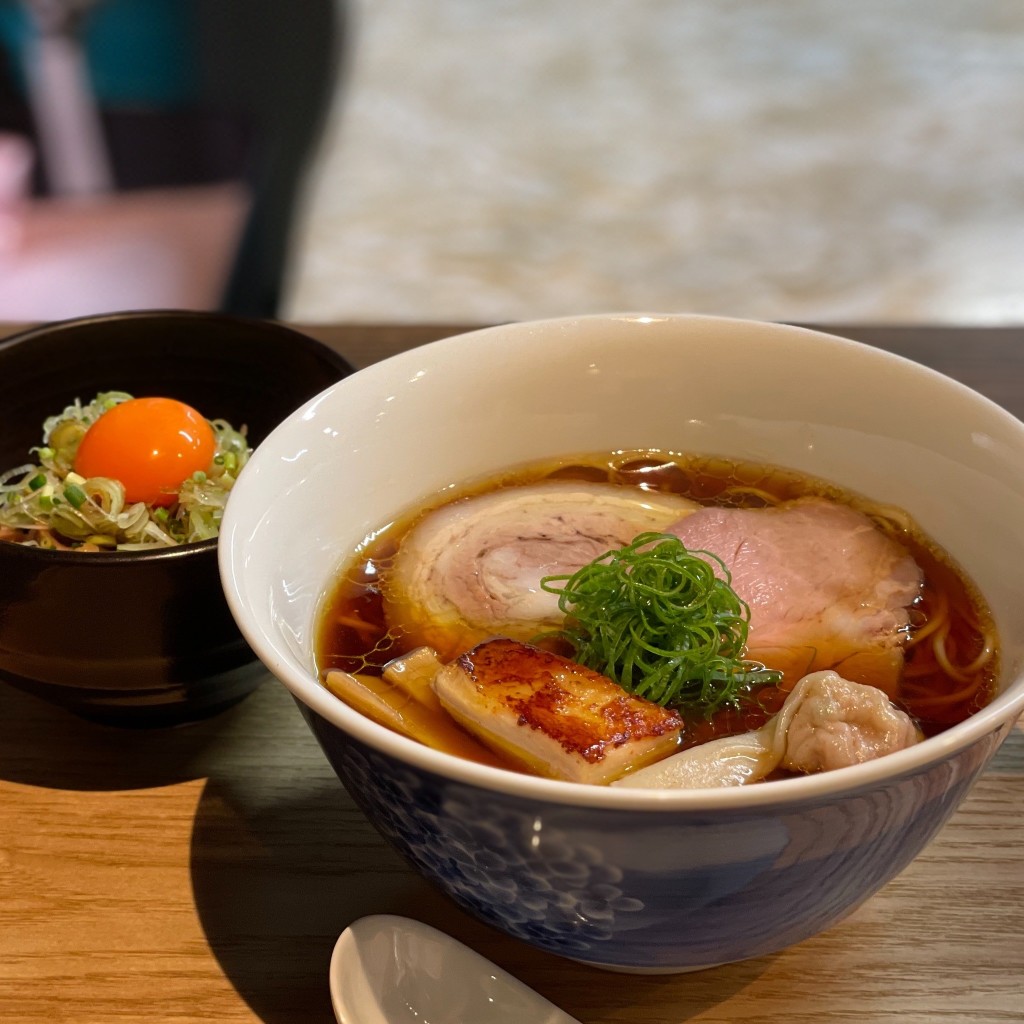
point(141, 53)
point(195, 92)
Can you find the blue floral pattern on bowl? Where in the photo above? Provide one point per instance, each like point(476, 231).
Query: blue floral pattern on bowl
point(647, 890)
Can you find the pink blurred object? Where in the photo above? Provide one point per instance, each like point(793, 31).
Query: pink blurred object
point(16, 159)
point(152, 249)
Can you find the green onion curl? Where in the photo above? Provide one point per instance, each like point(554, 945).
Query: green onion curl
point(661, 621)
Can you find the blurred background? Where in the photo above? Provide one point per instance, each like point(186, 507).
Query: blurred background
point(461, 161)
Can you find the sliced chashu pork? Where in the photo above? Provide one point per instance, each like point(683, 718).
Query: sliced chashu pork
point(555, 717)
point(472, 569)
point(826, 588)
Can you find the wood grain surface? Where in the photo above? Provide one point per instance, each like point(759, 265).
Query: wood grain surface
point(203, 873)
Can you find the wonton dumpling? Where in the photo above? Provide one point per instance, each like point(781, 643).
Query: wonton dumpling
point(827, 722)
point(834, 723)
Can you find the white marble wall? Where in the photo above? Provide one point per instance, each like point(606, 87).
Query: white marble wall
point(781, 159)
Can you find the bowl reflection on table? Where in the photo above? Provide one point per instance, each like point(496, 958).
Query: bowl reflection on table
point(634, 881)
point(139, 638)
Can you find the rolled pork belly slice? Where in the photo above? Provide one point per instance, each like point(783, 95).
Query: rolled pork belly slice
point(471, 570)
point(826, 588)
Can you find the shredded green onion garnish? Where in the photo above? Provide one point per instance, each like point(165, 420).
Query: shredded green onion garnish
point(659, 621)
point(45, 504)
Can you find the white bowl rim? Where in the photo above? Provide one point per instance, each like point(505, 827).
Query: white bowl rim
point(1001, 712)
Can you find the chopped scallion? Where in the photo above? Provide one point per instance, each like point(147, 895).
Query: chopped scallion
point(76, 497)
point(52, 505)
point(658, 620)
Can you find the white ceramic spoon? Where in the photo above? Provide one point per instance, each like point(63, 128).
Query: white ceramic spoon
point(392, 970)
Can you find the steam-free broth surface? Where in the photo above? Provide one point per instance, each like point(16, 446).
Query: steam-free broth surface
point(951, 657)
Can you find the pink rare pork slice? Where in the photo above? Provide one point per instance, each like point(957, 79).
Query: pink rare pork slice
point(826, 588)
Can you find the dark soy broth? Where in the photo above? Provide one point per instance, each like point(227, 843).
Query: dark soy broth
point(947, 675)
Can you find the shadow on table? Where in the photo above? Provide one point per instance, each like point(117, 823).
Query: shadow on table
point(276, 880)
point(1009, 758)
point(44, 745)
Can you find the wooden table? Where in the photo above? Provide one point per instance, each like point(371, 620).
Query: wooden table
point(203, 873)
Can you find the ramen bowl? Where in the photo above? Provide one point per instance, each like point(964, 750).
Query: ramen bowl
point(640, 881)
point(139, 638)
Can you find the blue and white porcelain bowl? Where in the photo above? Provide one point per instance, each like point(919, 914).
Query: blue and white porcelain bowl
point(632, 880)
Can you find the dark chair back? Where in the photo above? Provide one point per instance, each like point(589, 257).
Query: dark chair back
point(278, 65)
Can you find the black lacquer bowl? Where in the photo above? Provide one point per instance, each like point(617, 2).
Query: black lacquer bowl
point(140, 639)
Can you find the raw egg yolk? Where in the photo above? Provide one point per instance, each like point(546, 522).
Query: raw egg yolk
point(152, 445)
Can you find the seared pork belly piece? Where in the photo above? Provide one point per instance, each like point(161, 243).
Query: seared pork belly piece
point(826, 588)
point(827, 722)
point(551, 715)
point(472, 569)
